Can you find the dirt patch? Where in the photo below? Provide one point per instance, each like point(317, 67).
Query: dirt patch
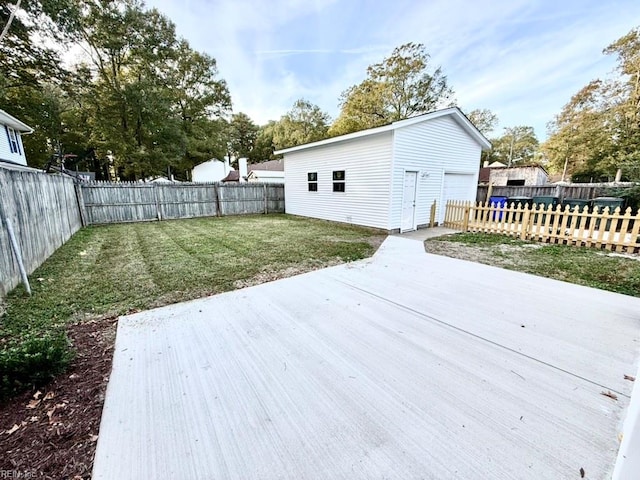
point(270, 275)
point(499, 255)
point(52, 433)
point(375, 241)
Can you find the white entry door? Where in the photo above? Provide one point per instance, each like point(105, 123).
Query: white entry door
point(409, 201)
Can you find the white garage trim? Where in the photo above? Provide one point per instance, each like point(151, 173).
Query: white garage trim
point(443, 200)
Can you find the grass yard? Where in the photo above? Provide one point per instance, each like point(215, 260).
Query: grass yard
point(583, 266)
point(112, 270)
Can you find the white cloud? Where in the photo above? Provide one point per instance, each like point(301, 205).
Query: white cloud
point(521, 59)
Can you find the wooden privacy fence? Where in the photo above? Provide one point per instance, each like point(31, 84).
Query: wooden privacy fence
point(612, 230)
point(41, 213)
point(105, 202)
point(585, 191)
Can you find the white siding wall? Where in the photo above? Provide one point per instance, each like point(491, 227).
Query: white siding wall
point(367, 165)
point(432, 148)
point(5, 151)
point(211, 171)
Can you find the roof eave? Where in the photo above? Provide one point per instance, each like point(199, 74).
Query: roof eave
point(462, 120)
point(14, 123)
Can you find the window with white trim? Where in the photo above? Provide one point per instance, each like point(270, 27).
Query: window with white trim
point(338, 181)
point(12, 136)
point(312, 179)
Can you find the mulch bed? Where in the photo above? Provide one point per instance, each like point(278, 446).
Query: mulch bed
point(51, 433)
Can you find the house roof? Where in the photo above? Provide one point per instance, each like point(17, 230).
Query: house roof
point(13, 122)
point(271, 169)
point(232, 176)
point(271, 165)
point(267, 173)
point(455, 112)
point(526, 166)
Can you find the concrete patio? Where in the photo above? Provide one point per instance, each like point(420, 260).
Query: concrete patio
point(402, 366)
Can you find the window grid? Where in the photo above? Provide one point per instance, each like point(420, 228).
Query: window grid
point(338, 180)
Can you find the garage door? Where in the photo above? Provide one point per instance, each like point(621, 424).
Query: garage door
point(457, 186)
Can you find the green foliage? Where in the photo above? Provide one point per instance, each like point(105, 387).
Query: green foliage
point(517, 146)
point(264, 147)
point(304, 123)
point(484, 120)
point(243, 134)
point(146, 100)
point(31, 359)
point(599, 129)
point(631, 195)
point(400, 86)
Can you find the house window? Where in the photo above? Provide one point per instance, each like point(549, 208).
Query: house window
point(312, 179)
point(515, 183)
point(14, 145)
point(338, 180)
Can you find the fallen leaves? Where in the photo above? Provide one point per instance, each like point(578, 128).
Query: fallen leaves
point(15, 428)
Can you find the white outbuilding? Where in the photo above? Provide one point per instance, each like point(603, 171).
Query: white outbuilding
point(211, 171)
point(386, 177)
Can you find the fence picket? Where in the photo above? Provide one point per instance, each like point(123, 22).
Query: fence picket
point(607, 230)
point(623, 228)
point(106, 202)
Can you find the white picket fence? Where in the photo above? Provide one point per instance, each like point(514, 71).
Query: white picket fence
point(600, 228)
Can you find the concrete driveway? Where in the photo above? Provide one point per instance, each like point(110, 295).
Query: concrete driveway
point(402, 366)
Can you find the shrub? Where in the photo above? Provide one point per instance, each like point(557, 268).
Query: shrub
point(32, 359)
point(631, 195)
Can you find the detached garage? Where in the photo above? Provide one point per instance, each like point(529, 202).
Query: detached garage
point(386, 177)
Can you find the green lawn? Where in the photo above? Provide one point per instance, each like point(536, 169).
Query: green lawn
point(583, 266)
point(115, 269)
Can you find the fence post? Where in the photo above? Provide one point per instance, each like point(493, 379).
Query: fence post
point(216, 188)
point(155, 196)
point(489, 193)
point(81, 207)
point(266, 200)
point(432, 218)
point(465, 220)
point(525, 223)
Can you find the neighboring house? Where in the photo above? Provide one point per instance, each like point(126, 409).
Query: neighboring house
point(11, 148)
point(267, 172)
point(386, 177)
point(161, 179)
point(485, 171)
point(518, 176)
point(211, 171)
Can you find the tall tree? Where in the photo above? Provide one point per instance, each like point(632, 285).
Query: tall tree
point(484, 120)
point(598, 130)
point(264, 147)
point(401, 86)
point(154, 102)
point(517, 145)
point(304, 123)
point(242, 135)
point(26, 55)
point(31, 75)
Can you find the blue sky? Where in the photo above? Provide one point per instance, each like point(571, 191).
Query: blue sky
point(521, 59)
